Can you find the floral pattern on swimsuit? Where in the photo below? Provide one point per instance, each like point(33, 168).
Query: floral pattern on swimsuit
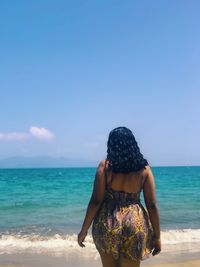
point(122, 226)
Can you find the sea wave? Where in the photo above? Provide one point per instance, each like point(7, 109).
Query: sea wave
point(16, 243)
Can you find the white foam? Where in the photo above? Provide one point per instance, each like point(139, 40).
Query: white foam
point(40, 244)
point(57, 244)
point(181, 236)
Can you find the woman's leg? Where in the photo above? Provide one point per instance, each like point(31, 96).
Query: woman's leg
point(107, 259)
point(124, 262)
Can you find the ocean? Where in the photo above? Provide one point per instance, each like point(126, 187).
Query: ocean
point(42, 210)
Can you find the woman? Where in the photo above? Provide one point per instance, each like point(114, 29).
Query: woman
point(123, 231)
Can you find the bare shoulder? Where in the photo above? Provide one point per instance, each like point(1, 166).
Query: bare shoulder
point(102, 163)
point(102, 166)
point(147, 171)
point(148, 176)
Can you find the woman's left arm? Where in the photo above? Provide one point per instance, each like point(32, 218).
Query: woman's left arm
point(95, 201)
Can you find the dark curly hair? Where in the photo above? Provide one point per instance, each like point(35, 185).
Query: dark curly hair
point(123, 153)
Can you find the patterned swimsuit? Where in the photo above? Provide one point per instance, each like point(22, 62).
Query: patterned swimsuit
point(121, 227)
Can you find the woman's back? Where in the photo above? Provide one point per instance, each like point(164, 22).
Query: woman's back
point(131, 182)
point(122, 226)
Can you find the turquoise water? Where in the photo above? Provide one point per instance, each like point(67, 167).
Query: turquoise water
point(54, 201)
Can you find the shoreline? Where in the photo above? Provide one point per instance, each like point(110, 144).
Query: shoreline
point(30, 259)
point(63, 251)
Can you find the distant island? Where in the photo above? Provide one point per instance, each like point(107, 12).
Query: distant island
point(59, 162)
point(45, 162)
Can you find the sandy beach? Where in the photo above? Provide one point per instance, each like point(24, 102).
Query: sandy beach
point(62, 263)
point(49, 260)
point(65, 252)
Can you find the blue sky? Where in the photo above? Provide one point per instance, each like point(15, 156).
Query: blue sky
point(71, 71)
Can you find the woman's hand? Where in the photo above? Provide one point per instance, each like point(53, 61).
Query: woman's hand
point(81, 238)
point(157, 246)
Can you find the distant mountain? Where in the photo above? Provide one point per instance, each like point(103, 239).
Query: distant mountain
point(45, 162)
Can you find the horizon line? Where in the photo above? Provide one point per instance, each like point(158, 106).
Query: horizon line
point(76, 167)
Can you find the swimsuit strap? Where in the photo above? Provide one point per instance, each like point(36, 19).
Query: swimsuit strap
point(109, 184)
point(111, 179)
point(142, 180)
point(106, 175)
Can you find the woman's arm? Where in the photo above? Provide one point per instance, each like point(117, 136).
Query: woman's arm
point(95, 201)
point(152, 206)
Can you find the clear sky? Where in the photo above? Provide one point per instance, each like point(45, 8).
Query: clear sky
point(71, 71)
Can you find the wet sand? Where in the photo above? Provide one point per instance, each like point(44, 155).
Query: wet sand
point(49, 260)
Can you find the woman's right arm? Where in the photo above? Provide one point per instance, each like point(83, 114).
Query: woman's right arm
point(152, 206)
